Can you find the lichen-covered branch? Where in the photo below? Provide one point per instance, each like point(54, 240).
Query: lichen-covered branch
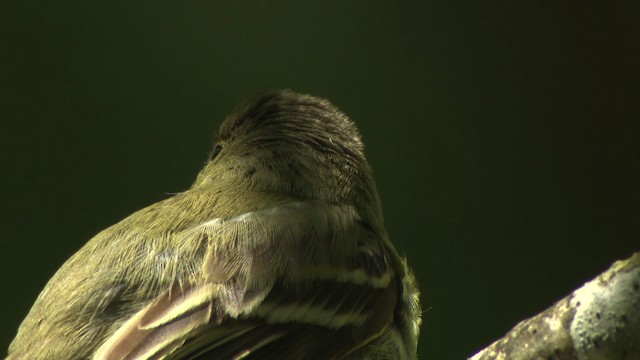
point(599, 321)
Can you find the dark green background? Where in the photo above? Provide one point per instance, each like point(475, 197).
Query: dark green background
point(503, 134)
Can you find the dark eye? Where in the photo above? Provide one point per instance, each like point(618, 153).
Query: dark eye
point(216, 151)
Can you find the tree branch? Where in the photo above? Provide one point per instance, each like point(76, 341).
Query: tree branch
point(600, 320)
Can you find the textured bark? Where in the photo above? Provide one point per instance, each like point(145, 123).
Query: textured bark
point(599, 321)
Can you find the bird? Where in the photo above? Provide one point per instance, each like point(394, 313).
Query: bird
point(278, 250)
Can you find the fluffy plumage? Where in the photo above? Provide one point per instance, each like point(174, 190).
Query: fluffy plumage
point(278, 251)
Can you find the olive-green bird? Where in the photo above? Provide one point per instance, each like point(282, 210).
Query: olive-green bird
point(277, 251)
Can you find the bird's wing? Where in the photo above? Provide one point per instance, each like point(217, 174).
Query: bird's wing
point(295, 281)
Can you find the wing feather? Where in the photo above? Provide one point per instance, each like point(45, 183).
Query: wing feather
point(298, 281)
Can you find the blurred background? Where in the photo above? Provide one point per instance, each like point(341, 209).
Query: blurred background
point(503, 134)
